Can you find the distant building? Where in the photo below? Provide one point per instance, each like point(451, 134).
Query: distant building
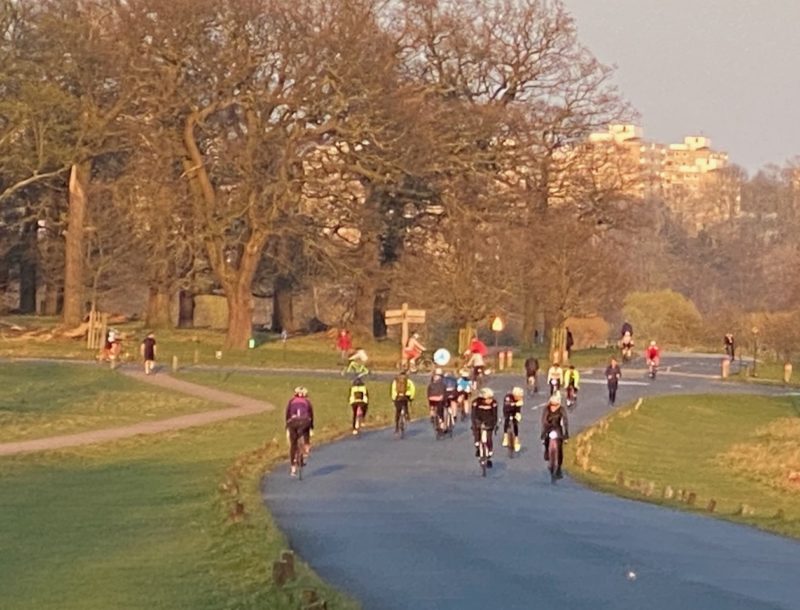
point(689, 177)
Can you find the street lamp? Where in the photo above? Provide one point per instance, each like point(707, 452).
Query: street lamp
point(497, 327)
point(755, 348)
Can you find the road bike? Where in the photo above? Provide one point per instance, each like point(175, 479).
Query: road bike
point(511, 437)
point(479, 374)
point(555, 385)
point(483, 448)
point(423, 364)
point(403, 420)
point(449, 422)
point(359, 418)
point(553, 448)
point(652, 369)
point(572, 397)
point(533, 384)
point(358, 369)
point(300, 455)
point(463, 406)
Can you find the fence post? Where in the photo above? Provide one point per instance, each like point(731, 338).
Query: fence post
point(787, 372)
point(726, 368)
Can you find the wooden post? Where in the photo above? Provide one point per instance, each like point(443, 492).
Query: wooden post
point(509, 358)
point(726, 368)
point(501, 360)
point(174, 364)
point(787, 372)
point(404, 316)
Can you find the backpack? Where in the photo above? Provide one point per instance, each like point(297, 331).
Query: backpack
point(401, 386)
point(358, 395)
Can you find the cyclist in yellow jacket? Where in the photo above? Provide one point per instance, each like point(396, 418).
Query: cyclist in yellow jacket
point(359, 399)
point(403, 392)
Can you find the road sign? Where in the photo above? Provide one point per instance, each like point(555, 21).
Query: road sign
point(404, 316)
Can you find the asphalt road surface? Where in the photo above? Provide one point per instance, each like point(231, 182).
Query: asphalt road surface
point(411, 524)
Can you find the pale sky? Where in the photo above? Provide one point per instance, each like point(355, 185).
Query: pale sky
point(727, 69)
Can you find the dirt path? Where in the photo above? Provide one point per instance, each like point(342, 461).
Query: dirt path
point(238, 406)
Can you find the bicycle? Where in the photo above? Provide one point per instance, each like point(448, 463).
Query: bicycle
point(512, 437)
point(553, 448)
point(462, 405)
point(359, 418)
point(358, 369)
point(533, 384)
point(483, 449)
point(423, 364)
point(572, 397)
point(402, 422)
point(652, 369)
point(300, 455)
point(449, 422)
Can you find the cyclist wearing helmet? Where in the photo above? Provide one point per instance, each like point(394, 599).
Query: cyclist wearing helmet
point(412, 351)
point(437, 392)
point(512, 415)
point(359, 398)
point(652, 354)
point(555, 375)
point(554, 417)
point(299, 421)
point(463, 390)
point(484, 413)
point(402, 391)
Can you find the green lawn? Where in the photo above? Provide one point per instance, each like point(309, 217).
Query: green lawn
point(144, 523)
point(697, 444)
point(48, 399)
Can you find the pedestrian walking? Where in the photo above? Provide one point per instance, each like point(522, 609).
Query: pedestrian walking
point(613, 374)
point(148, 351)
point(570, 341)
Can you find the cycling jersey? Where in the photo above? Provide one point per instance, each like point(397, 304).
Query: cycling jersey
point(359, 395)
point(300, 408)
point(463, 385)
point(572, 378)
point(555, 372)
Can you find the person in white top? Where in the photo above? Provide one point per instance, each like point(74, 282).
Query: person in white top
point(555, 377)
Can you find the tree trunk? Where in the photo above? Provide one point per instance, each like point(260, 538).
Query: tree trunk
point(158, 312)
point(529, 317)
point(240, 317)
point(282, 306)
point(27, 282)
point(378, 313)
point(185, 309)
point(364, 312)
point(73, 254)
point(51, 298)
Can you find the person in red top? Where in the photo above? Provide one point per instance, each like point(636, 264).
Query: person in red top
point(476, 346)
point(344, 343)
point(652, 353)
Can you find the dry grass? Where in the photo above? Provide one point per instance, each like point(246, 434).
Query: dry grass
point(771, 458)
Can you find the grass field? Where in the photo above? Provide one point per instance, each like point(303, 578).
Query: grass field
point(49, 399)
point(147, 522)
point(737, 450)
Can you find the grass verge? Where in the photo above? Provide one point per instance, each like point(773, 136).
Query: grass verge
point(49, 399)
point(168, 521)
point(735, 457)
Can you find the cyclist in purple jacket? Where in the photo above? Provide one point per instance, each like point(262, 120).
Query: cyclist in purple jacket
point(299, 420)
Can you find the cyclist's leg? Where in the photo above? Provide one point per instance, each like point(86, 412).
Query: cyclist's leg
point(292, 442)
point(354, 408)
point(398, 407)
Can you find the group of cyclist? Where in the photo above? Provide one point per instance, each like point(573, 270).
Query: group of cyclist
point(450, 394)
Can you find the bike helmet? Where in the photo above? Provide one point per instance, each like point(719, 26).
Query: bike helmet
point(555, 399)
point(301, 391)
point(517, 392)
point(464, 372)
point(437, 371)
point(486, 393)
point(652, 343)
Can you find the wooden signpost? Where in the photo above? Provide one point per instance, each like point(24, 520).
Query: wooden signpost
point(404, 316)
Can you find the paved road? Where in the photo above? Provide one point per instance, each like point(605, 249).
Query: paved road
point(411, 524)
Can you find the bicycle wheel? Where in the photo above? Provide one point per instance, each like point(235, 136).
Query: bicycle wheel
point(450, 423)
point(402, 423)
point(299, 456)
point(512, 439)
point(484, 452)
point(552, 454)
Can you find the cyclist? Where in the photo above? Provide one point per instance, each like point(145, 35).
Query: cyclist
point(572, 383)
point(652, 354)
point(484, 412)
point(531, 373)
point(357, 363)
point(359, 398)
point(476, 346)
point(436, 398)
point(412, 351)
point(554, 417)
point(463, 390)
point(512, 416)
point(299, 421)
point(626, 329)
point(451, 393)
point(477, 364)
point(626, 342)
point(555, 377)
point(403, 392)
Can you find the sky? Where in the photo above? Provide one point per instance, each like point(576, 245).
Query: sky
point(726, 69)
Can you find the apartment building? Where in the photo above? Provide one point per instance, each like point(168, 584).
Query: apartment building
point(689, 176)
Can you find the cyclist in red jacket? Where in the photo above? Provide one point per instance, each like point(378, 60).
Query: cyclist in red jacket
point(652, 354)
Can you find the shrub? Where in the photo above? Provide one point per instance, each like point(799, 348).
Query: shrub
point(667, 316)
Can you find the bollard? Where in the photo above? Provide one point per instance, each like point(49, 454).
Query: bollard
point(174, 364)
point(726, 368)
point(787, 372)
point(509, 358)
point(501, 360)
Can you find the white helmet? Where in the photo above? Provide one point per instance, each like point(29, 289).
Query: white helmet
point(486, 393)
point(555, 399)
point(301, 391)
point(517, 392)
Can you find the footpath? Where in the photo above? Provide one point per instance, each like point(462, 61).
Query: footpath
point(238, 406)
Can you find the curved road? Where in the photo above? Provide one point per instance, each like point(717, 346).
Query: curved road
point(411, 524)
